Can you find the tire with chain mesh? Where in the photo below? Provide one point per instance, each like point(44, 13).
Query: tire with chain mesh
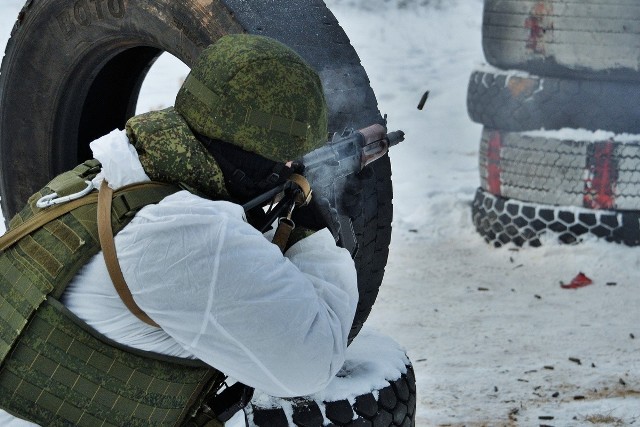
point(351, 399)
point(72, 71)
point(504, 221)
point(516, 101)
point(557, 168)
point(597, 39)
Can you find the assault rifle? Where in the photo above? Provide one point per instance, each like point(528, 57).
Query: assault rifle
point(328, 170)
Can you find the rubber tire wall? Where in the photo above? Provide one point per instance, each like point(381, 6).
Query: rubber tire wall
point(595, 174)
point(72, 71)
point(517, 102)
point(391, 405)
point(376, 387)
point(501, 221)
point(579, 68)
point(595, 39)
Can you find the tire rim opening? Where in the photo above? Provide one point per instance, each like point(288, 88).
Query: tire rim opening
point(161, 84)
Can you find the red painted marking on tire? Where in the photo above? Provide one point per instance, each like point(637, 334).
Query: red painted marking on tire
point(538, 24)
point(601, 177)
point(494, 169)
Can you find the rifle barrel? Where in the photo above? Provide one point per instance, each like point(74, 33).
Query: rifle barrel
point(395, 137)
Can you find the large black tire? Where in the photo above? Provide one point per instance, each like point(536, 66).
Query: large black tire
point(596, 39)
point(504, 221)
point(541, 168)
point(392, 402)
point(518, 102)
point(72, 72)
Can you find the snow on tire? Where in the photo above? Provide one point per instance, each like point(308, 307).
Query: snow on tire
point(91, 58)
point(376, 387)
point(516, 101)
point(504, 221)
point(598, 39)
point(554, 168)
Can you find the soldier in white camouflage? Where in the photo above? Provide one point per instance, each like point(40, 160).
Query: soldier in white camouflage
point(216, 293)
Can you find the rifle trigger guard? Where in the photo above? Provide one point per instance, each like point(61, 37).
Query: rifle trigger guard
point(304, 196)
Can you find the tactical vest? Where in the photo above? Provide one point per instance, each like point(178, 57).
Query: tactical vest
point(55, 369)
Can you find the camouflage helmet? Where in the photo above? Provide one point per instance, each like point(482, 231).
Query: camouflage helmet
point(255, 93)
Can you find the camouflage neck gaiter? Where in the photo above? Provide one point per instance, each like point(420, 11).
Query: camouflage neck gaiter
point(169, 152)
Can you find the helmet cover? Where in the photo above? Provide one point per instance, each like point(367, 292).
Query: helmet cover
point(258, 94)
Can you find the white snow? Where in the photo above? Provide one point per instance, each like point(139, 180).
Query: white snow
point(583, 135)
point(493, 337)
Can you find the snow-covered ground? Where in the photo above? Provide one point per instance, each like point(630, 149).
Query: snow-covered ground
point(493, 337)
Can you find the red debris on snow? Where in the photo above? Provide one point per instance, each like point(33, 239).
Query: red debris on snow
point(578, 282)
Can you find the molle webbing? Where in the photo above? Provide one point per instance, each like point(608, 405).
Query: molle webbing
point(65, 375)
point(55, 369)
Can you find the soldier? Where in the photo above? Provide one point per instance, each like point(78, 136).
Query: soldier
point(195, 290)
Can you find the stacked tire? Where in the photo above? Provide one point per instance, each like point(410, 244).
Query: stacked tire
point(560, 105)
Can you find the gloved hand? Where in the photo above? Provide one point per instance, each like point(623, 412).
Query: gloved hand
point(316, 215)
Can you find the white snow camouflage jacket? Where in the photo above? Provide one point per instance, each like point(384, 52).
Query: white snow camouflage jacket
point(219, 289)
